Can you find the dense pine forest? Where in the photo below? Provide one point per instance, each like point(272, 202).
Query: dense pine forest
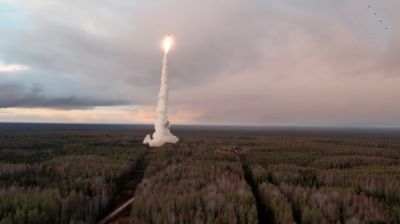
point(211, 176)
point(62, 177)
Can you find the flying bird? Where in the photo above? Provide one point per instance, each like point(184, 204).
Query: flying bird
point(380, 20)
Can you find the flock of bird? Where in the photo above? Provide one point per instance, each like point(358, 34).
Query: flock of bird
point(371, 7)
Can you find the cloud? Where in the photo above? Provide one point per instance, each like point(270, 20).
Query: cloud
point(15, 95)
point(275, 62)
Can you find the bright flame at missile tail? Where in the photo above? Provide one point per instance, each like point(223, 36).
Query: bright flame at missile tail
point(167, 43)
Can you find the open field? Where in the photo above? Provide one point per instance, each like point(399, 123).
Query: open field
point(82, 173)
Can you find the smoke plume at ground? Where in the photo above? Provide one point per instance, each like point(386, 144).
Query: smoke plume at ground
point(162, 133)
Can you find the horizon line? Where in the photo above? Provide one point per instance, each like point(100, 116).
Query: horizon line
point(215, 125)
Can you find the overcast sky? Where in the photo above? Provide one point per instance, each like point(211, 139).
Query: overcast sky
point(286, 62)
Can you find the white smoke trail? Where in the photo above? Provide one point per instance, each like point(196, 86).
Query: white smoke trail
point(162, 133)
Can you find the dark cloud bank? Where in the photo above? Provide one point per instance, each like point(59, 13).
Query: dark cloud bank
point(15, 95)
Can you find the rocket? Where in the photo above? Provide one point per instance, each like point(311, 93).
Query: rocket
point(162, 133)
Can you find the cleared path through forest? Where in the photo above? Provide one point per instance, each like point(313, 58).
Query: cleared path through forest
point(122, 202)
point(264, 215)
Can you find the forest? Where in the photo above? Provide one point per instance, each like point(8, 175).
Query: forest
point(328, 180)
point(210, 176)
point(64, 177)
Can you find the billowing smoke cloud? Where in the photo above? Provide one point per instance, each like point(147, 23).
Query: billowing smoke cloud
point(162, 133)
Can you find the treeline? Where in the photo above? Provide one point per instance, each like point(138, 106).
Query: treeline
point(338, 183)
point(70, 177)
point(291, 201)
point(73, 181)
point(205, 187)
